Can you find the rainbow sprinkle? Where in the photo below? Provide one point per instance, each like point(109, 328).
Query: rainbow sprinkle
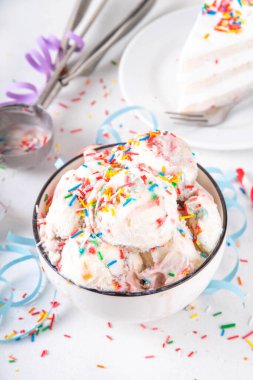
point(183, 217)
point(81, 250)
point(216, 314)
point(228, 326)
point(75, 187)
point(72, 200)
point(111, 263)
point(100, 256)
point(128, 201)
point(151, 188)
point(76, 234)
point(144, 138)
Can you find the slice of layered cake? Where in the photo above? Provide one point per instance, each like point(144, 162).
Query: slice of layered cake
point(216, 63)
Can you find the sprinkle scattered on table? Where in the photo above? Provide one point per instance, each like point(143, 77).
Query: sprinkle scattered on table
point(233, 337)
point(63, 105)
point(228, 326)
point(250, 343)
point(100, 366)
point(217, 314)
point(247, 335)
point(76, 130)
point(55, 304)
point(12, 359)
point(44, 353)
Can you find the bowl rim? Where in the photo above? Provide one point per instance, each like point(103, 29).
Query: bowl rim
point(44, 255)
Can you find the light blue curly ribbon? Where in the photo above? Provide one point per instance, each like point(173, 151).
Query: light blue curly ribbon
point(231, 202)
point(20, 239)
point(26, 255)
point(107, 128)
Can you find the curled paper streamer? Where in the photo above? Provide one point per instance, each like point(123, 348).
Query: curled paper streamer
point(25, 255)
point(107, 128)
point(20, 239)
point(231, 202)
point(31, 93)
point(8, 302)
point(41, 60)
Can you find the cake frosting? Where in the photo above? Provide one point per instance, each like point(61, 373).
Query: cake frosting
point(216, 63)
point(132, 218)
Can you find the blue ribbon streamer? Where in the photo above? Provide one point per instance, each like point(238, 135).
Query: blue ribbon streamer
point(106, 127)
point(26, 254)
point(231, 202)
point(20, 239)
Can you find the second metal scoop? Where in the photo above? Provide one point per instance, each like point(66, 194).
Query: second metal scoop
point(26, 132)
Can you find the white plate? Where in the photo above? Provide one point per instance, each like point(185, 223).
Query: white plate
point(148, 77)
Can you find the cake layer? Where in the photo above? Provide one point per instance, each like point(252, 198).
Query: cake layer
point(201, 105)
point(226, 54)
point(227, 77)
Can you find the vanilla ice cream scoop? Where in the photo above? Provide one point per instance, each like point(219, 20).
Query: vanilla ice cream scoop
point(81, 263)
point(175, 259)
point(205, 222)
point(90, 262)
point(161, 152)
point(135, 209)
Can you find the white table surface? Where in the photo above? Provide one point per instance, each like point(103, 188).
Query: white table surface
point(76, 358)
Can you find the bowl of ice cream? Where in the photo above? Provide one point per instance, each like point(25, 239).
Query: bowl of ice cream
point(132, 232)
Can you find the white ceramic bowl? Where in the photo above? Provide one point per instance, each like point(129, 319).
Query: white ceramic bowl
point(138, 306)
